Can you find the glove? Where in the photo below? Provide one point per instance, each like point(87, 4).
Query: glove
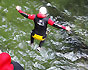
point(68, 28)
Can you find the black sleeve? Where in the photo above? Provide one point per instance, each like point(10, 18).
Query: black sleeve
point(25, 15)
point(59, 26)
point(17, 66)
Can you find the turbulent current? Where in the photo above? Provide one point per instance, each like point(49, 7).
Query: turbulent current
point(62, 50)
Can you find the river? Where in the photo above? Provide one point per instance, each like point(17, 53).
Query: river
point(62, 50)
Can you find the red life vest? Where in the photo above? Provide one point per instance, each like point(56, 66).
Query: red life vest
point(5, 62)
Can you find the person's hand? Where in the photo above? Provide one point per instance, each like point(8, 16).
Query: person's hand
point(68, 28)
point(18, 8)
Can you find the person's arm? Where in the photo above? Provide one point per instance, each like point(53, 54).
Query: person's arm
point(17, 66)
point(29, 16)
point(52, 23)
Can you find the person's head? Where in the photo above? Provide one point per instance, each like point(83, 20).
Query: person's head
point(43, 10)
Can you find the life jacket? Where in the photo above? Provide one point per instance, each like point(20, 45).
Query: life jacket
point(41, 22)
point(5, 62)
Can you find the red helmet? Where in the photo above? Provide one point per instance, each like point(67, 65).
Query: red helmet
point(5, 62)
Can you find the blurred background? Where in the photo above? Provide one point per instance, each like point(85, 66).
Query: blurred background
point(62, 50)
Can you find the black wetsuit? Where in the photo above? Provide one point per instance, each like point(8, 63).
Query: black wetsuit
point(17, 66)
point(40, 28)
